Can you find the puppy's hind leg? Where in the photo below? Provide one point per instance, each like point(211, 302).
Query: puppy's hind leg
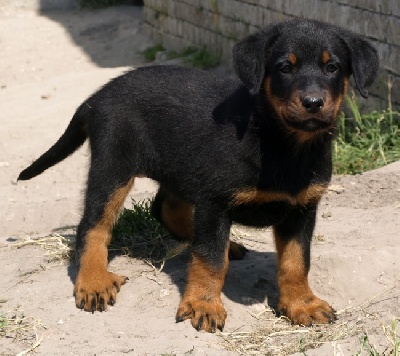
point(176, 215)
point(107, 189)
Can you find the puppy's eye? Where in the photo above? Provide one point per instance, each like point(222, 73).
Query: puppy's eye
point(285, 69)
point(331, 68)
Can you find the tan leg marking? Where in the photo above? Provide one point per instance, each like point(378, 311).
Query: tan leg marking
point(296, 300)
point(202, 299)
point(95, 287)
point(177, 216)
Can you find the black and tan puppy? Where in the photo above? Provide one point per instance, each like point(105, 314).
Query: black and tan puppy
point(256, 152)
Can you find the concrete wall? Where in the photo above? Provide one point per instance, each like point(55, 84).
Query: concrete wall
point(218, 24)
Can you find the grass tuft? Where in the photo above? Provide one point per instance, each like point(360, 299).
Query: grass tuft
point(151, 52)
point(138, 234)
point(279, 337)
point(16, 325)
point(366, 141)
point(58, 248)
point(201, 57)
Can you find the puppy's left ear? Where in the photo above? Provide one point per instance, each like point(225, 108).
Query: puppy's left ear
point(364, 61)
point(250, 55)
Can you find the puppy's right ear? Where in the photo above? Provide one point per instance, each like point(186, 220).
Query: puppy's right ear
point(250, 55)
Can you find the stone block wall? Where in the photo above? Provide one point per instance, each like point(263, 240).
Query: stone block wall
point(218, 24)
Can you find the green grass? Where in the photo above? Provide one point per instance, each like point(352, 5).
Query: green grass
point(137, 233)
point(366, 141)
point(366, 348)
point(3, 324)
point(187, 51)
point(150, 53)
point(393, 348)
point(202, 58)
point(392, 334)
point(199, 57)
point(17, 325)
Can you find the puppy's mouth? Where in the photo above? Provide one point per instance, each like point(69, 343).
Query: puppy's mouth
point(309, 124)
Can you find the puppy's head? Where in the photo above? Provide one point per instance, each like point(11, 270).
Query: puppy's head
point(303, 67)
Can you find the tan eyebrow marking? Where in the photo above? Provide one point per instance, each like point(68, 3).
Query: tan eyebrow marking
point(292, 59)
point(325, 57)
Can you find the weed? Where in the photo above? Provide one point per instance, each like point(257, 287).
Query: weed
point(187, 51)
point(279, 337)
point(393, 336)
point(367, 141)
point(301, 347)
point(366, 348)
point(137, 233)
point(203, 58)
point(58, 248)
point(3, 323)
point(150, 53)
point(18, 326)
point(196, 57)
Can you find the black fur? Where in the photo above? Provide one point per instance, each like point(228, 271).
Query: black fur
point(205, 139)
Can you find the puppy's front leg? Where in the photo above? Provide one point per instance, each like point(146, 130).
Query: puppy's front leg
point(293, 242)
point(201, 301)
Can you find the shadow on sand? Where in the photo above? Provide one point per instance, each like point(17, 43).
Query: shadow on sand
point(110, 37)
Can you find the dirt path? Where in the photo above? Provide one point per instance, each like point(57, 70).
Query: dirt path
point(48, 66)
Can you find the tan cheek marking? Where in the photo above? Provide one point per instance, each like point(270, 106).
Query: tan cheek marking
point(276, 103)
point(333, 104)
point(342, 95)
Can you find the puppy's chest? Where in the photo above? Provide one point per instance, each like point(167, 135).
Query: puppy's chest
point(261, 207)
point(260, 196)
point(286, 178)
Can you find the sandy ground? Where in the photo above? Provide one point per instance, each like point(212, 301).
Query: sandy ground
point(49, 64)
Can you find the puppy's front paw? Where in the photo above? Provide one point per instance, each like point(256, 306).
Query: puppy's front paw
point(94, 291)
point(208, 315)
point(307, 310)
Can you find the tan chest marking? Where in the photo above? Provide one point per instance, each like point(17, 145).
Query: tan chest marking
point(311, 194)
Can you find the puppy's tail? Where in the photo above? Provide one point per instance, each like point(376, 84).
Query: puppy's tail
point(73, 137)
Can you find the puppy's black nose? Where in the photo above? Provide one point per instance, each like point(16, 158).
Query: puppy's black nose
point(313, 104)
